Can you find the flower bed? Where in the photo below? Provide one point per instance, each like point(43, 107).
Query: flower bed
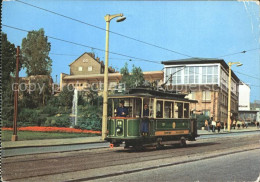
point(54, 129)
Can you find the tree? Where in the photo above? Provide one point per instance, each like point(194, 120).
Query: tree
point(8, 59)
point(38, 91)
point(136, 78)
point(8, 69)
point(66, 96)
point(35, 52)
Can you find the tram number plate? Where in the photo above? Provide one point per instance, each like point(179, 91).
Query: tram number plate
point(157, 133)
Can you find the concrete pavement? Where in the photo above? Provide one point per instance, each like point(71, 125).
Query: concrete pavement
point(97, 139)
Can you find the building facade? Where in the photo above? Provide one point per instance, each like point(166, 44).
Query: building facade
point(204, 80)
point(244, 97)
point(87, 72)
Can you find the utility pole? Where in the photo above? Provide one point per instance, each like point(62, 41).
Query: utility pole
point(14, 136)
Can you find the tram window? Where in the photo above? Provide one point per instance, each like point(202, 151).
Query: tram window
point(186, 110)
point(178, 108)
point(167, 109)
point(137, 103)
point(159, 109)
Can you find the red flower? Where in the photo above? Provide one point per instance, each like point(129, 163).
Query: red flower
point(52, 129)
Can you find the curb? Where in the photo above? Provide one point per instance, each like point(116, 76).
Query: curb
point(227, 132)
point(53, 145)
point(93, 142)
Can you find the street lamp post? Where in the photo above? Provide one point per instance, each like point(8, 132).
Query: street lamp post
point(229, 90)
point(108, 18)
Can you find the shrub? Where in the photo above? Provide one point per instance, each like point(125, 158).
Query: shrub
point(31, 117)
point(50, 110)
point(7, 124)
point(201, 120)
point(59, 121)
point(90, 123)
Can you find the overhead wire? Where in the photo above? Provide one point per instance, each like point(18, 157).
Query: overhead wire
point(88, 24)
point(140, 59)
point(82, 45)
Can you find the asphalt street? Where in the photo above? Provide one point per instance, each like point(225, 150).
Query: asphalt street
point(74, 147)
point(244, 166)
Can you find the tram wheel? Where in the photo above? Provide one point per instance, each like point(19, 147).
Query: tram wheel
point(183, 142)
point(138, 147)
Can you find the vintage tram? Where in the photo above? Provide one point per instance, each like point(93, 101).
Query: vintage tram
point(169, 119)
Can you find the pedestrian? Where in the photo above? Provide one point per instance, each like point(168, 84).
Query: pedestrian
point(234, 124)
point(207, 124)
point(243, 124)
point(218, 126)
point(257, 125)
point(213, 125)
point(238, 126)
point(246, 124)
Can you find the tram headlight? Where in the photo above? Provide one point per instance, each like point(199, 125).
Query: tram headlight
point(119, 130)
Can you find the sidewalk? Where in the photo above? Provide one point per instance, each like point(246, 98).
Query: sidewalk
point(97, 139)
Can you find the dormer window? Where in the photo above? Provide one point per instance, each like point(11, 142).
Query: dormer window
point(80, 68)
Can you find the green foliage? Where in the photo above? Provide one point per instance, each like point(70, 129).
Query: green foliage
point(30, 117)
point(201, 120)
point(126, 78)
point(8, 57)
point(7, 123)
point(8, 51)
point(137, 76)
point(135, 79)
point(50, 110)
point(38, 93)
point(58, 121)
point(66, 96)
point(90, 124)
point(35, 52)
point(89, 117)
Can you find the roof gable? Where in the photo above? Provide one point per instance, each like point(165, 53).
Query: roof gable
point(90, 55)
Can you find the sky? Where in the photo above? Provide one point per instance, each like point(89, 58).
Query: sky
point(183, 29)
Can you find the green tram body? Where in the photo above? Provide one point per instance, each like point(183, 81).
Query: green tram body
point(161, 129)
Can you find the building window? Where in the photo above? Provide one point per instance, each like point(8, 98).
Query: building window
point(206, 96)
point(80, 68)
point(90, 68)
point(206, 112)
point(193, 74)
point(210, 74)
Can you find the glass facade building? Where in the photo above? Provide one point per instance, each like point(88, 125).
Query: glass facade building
point(208, 74)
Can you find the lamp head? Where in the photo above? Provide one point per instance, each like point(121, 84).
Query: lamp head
point(121, 19)
point(239, 64)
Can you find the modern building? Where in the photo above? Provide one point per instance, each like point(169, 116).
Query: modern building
point(88, 72)
point(244, 97)
point(245, 111)
point(255, 106)
point(204, 80)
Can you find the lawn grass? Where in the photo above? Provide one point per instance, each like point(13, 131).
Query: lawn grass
point(6, 135)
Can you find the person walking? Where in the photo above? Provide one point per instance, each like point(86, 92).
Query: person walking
point(207, 124)
point(213, 125)
point(218, 126)
point(234, 124)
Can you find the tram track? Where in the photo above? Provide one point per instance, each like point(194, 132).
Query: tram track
point(100, 158)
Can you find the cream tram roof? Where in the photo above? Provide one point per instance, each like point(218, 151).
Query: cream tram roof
point(149, 93)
